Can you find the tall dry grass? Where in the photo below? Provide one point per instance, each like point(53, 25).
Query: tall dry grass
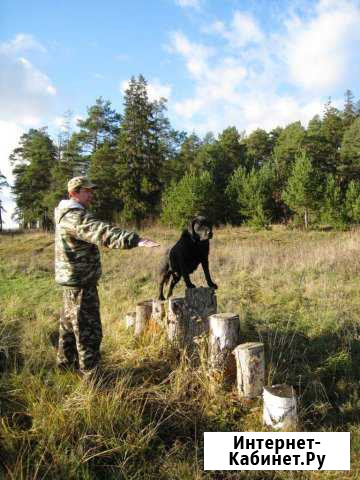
point(295, 291)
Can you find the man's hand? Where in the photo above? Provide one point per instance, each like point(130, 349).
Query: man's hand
point(145, 242)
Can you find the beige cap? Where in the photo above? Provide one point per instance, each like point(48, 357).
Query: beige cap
point(76, 182)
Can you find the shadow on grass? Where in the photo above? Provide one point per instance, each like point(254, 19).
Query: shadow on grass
point(10, 339)
point(324, 370)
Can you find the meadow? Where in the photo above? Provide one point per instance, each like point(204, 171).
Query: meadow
point(296, 291)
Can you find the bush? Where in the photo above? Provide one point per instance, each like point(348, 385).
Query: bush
point(192, 195)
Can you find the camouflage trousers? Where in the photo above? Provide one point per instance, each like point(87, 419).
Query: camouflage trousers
point(80, 331)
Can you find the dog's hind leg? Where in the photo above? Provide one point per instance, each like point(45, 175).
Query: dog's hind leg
point(164, 278)
point(174, 281)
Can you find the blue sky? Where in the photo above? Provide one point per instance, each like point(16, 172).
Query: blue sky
point(248, 63)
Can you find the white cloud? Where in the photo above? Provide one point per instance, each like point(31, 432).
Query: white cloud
point(8, 205)
point(19, 43)
point(156, 90)
point(26, 99)
point(269, 78)
point(242, 31)
point(26, 93)
point(320, 52)
point(10, 134)
point(195, 54)
point(189, 3)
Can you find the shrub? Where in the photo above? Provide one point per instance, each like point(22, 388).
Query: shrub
point(192, 195)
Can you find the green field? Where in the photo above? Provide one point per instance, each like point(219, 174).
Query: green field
point(298, 292)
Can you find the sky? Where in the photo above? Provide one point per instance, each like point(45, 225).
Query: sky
point(244, 63)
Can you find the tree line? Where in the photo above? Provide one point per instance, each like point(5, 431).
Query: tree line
point(146, 170)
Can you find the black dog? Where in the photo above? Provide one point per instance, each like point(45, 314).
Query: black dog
point(185, 256)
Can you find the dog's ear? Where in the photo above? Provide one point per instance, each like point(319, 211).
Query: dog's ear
point(194, 235)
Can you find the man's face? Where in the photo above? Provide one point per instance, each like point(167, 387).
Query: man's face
point(83, 196)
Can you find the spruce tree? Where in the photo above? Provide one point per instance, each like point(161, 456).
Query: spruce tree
point(103, 172)
point(140, 155)
point(349, 112)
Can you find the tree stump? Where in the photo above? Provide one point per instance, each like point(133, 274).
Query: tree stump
point(158, 312)
point(177, 321)
point(143, 315)
point(129, 319)
point(224, 336)
point(201, 302)
point(280, 410)
point(250, 369)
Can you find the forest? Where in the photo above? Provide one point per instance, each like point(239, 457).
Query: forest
point(146, 170)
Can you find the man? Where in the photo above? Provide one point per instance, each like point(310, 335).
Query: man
point(78, 269)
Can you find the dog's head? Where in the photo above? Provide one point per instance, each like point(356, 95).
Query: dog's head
point(200, 229)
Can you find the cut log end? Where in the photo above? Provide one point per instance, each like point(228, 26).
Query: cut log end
point(143, 315)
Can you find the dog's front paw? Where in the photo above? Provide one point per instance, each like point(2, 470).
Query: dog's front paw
point(213, 285)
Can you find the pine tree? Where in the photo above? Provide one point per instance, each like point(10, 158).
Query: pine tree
point(318, 147)
point(352, 201)
point(192, 195)
point(186, 160)
point(258, 148)
point(289, 144)
point(332, 208)
point(69, 165)
point(2, 209)
point(33, 161)
point(332, 129)
point(350, 152)
point(302, 190)
point(250, 195)
point(140, 155)
point(102, 124)
point(3, 182)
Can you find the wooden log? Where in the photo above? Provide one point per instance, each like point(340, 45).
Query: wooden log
point(201, 302)
point(129, 319)
point(158, 312)
point(143, 315)
point(250, 365)
point(177, 321)
point(224, 336)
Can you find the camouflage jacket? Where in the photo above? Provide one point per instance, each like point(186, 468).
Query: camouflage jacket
point(77, 234)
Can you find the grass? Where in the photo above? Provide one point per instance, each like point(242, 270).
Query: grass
point(295, 291)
